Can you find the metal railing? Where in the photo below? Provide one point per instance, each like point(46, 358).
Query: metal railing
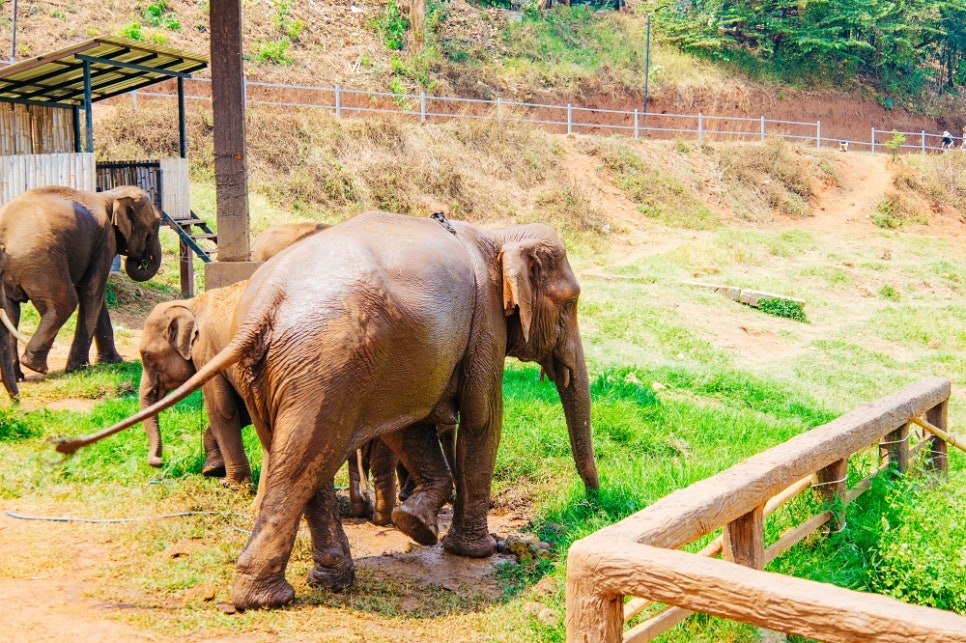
point(568, 119)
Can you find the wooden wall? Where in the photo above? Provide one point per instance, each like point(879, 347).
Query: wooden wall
point(21, 173)
point(35, 129)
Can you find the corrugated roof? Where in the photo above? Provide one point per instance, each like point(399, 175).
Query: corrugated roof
point(117, 66)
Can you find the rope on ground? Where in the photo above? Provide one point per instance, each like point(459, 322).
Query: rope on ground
point(118, 520)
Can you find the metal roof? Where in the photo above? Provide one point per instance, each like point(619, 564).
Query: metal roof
point(117, 66)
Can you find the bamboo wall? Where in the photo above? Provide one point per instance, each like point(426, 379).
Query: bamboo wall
point(21, 173)
point(35, 129)
point(167, 177)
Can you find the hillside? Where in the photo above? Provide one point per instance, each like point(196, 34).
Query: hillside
point(340, 42)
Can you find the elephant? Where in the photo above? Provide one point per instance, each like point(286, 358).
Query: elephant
point(181, 336)
point(382, 326)
point(60, 243)
point(279, 237)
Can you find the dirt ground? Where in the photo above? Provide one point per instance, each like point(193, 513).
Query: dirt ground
point(55, 608)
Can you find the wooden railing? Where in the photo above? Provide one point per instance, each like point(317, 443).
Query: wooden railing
point(639, 557)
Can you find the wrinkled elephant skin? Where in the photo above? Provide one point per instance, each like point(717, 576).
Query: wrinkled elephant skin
point(380, 324)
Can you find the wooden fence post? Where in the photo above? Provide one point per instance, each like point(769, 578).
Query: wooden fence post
point(744, 539)
point(938, 449)
point(832, 484)
point(894, 448)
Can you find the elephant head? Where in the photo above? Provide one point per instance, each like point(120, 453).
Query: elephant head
point(166, 342)
point(540, 295)
point(136, 223)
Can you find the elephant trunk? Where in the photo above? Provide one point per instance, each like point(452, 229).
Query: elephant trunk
point(575, 398)
point(150, 394)
point(147, 265)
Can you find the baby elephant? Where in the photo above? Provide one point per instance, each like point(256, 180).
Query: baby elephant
point(180, 337)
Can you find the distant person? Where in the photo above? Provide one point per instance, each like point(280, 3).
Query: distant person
point(963, 145)
point(843, 146)
point(947, 140)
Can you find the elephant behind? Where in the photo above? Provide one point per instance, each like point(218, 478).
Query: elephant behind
point(60, 243)
point(279, 237)
point(180, 337)
point(382, 326)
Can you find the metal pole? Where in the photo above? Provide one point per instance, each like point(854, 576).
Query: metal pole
point(636, 133)
point(338, 102)
point(647, 66)
point(182, 136)
point(88, 111)
point(13, 35)
point(763, 128)
point(873, 141)
point(923, 141)
point(818, 134)
point(570, 119)
point(422, 107)
point(700, 128)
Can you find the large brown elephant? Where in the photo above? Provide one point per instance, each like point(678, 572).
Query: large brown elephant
point(60, 243)
point(279, 237)
point(179, 337)
point(381, 326)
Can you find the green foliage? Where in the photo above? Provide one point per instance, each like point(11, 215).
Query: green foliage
point(898, 46)
point(158, 14)
point(889, 293)
point(894, 145)
point(392, 26)
point(288, 25)
point(132, 31)
point(780, 307)
point(16, 425)
point(275, 52)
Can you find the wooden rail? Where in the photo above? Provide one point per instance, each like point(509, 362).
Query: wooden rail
point(637, 557)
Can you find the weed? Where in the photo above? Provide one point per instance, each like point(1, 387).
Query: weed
point(894, 145)
point(392, 26)
point(780, 307)
point(132, 31)
point(275, 52)
point(889, 293)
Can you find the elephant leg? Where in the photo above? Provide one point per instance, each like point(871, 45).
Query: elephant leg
point(214, 466)
point(476, 445)
point(360, 504)
point(382, 460)
point(333, 568)
point(225, 417)
point(104, 339)
point(91, 316)
point(418, 447)
point(13, 311)
point(53, 314)
point(299, 468)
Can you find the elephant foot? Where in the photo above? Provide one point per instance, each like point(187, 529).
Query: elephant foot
point(155, 461)
point(74, 365)
point(360, 508)
point(336, 578)
point(250, 593)
point(214, 467)
point(110, 358)
point(33, 362)
point(420, 529)
point(471, 546)
point(381, 517)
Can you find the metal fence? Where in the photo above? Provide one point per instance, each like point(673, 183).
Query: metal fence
point(566, 119)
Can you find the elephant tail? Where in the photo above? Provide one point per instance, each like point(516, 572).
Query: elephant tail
point(229, 355)
point(23, 339)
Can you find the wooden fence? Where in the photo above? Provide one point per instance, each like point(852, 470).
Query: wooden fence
point(35, 129)
point(21, 173)
point(639, 557)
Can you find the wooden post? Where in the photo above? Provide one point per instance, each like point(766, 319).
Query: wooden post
point(744, 539)
point(831, 484)
point(894, 448)
point(228, 105)
point(938, 449)
point(417, 14)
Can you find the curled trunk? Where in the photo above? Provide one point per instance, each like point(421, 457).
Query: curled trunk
point(575, 398)
point(148, 396)
point(146, 266)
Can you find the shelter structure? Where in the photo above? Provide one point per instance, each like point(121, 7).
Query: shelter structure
point(47, 133)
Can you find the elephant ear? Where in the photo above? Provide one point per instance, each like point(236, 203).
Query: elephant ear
point(121, 215)
point(182, 331)
point(521, 269)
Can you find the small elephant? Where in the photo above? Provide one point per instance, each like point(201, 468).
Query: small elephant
point(381, 327)
point(279, 237)
point(179, 337)
point(60, 244)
